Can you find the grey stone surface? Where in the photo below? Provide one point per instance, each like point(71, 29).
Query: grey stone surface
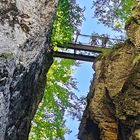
point(25, 27)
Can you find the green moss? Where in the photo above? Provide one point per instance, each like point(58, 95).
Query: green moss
point(134, 15)
point(128, 21)
point(108, 51)
point(136, 10)
point(136, 59)
point(7, 55)
point(105, 53)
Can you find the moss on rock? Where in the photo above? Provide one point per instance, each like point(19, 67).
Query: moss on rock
point(6, 55)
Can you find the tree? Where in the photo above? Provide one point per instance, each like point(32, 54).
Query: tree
point(48, 122)
point(112, 13)
point(69, 18)
point(58, 93)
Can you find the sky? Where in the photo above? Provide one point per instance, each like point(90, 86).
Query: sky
point(84, 73)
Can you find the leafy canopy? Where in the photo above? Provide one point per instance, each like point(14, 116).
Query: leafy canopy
point(69, 17)
point(48, 123)
point(113, 13)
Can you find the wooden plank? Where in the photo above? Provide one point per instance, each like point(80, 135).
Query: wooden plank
point(75, 56)
point(84, 47)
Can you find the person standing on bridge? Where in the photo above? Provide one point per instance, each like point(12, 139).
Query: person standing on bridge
point(105, 39)
point(94, 40)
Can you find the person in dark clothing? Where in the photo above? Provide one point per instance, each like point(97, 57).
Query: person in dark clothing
point(94, 41)
point(105, 39)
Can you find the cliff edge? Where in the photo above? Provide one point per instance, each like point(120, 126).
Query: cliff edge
point(25, 27)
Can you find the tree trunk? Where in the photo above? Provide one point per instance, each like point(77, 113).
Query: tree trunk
point(113, 105)
point(25, 30)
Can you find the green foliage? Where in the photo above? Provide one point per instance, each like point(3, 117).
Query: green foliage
point(113, 13)
point(108, 51)
point(49, 123)
point(128, 21)
point(63, 30)
point(105, 52)
point(68, 19)
point(7, 55)
point(124, 10)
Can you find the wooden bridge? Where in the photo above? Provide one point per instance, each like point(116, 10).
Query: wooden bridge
point(87, 51)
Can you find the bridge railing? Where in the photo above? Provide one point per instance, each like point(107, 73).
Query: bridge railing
point(86, 47)
point(103, 41)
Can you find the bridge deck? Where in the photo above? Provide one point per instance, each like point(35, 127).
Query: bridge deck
point(83, 47)
point(79, 47)
point(74, 56)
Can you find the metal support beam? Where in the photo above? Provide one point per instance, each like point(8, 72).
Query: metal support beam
point(75, 56)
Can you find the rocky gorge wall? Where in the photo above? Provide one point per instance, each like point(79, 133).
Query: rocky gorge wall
point(113, 103)
point(25, 31)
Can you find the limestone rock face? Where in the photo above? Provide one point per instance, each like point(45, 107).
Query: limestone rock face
point(113, 109)
point(25, 31)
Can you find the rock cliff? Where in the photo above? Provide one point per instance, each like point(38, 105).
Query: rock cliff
point(25, 31)
point(113, 103)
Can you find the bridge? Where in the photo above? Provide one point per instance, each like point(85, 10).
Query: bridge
point(87, 50)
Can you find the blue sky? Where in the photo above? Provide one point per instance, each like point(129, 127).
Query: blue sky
point(84, 73)
point(90, 24)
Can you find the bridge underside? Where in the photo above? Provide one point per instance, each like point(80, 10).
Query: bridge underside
point(74, 56)
point(79, 52)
